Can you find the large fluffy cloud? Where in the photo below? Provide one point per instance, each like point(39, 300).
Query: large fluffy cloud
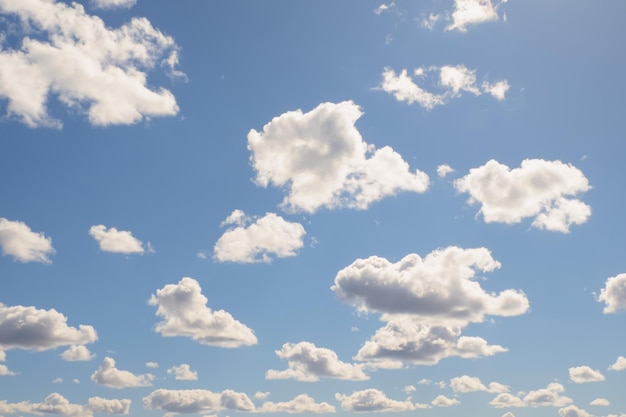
point(34, 329)
point(108, 375)
point(322, 160)
point(24, 245)
point(544, 190)
point(614, 294)
point(582, 374)
point(452, 81)
point(73, 56)
point(116, 241)
point(197, 401)
point(544, 397)
point(472, 12)
point(373, 400)
point(308, 362)
point(185, 313)
point(256, 240)
point(301, 404)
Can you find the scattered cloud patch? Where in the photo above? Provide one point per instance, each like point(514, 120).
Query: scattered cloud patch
point(152, 365)
point(30, 328)
point(600, 402)
point(430, 21)
point(614, 294)
point(443, 401)
point(308, 362)
point(185, 313)
point(183, 373)
point(443, 170)
point(77, 353)
point(582, 374)
point(573, 411)
point(373, 400)
point(103, 405)
point(451, 81)
point(300, 404)
point(113, 4)
point(321, 160)
point(109, 376)
point(74, 57)
point(56, 404)
point(21, 243)
point(116, 241)
point(544, 397)
point(384, 7)
point(251, 240)
point(197, 401)
point(472, 12)
point(5, 371)
point(261, 395)
point(409, 388)
point(472, 384)
point(619, 365)
point(543, 190)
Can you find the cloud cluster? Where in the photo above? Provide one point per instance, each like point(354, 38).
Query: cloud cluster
point(614, 294)
point(308, 362)
point(109, 376)
point(185, 313)
point(472, 384)
point(116, 241)
point(24, 245)
point(321, 160)
point(373, 400)
point(112, 4)
point(73, 56)
point(256, 240)
point(34, 329)
point(300, 404)
point(55, 403)
point(544, 397)
point(543, 190)
point(452, 81)
point(197, 401)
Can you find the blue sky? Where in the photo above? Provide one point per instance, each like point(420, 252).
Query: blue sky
point(355, 207)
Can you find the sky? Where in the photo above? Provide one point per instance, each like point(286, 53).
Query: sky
point(292, 207)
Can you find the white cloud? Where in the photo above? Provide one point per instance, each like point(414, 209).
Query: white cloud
point(443, 401)
point(261, 395)
point(3, 356)
point(183, 373)
point(103, 405)
point(541, 189)
point(152, 365)
point(322, 160)
point(111, 4)
point(409, 389)
point(308, 363)
point(582, 374)
point(301, 404)
point(32, 329)
point(614, 294)
point(384, 7)
point(116, 241)
point(548, 397)
point(600, 402)
point(573, 411)
point(197, 401)
point(430, 21)
point(74, 57)
point(619, 365)
point(256, 240)
point(185, 313)
point(506, 400)
point(76, 353)
point(443, 170)
point(57, 380)
point(5, 371)
point(471, 12)
point(108, 375)
point(451, 80)
point(18, 241)
point(373, 400)
point(57, 404)
point(508, 414)
point(471, 384)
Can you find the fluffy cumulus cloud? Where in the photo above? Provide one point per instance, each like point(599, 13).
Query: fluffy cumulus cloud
point(77, 353)
point(471, 384)
point(301, 404)
point(600, 402)
point(614, 294)
point(308, 362)
point(112, 4)
point(34, 329)
point(250, 240)
point(573, 411)
point(55, 403)
point(544, 397)
point(321, 160)
point(452, 82)
point(108, 375)
point(582, 374)
point(197, 401)
point(443, 401)
point(75, 58)
point(472, 12)
point(21, 243)
point(116, 241)
point(542, 190)
point(5, 371)
point(103, 405)
point(373, 400)
point(185, 313)
point(183, 373)
point(443, 170)
point(619, 365)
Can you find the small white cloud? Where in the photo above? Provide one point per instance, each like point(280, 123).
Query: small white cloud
point(183, 373)
point(443, 401)
point(77, 353)
point(582, 374)
point(108, 406)
point(409, 388)
point(197, 401)
point(24, 245)
point(373, 400)
point(443, 170)
point(152, 365)
point(547, 397)
point(116, 241)
point(430, 21)
point(384, 7)
point(508, 414)
point(471, 384)
point(261, 395)
point(471, 12)
point(108, 375)
point(573, 411)
point(619, 365)
point(57, 380)
point(185, 313)
point(321, 160)
point(5, 371)
point(308, 362)
point(76, 381)
point(498, 90)
point(257, 240)
point(614, 294)
point(541, 189)
point(112, 4)
point(301, 404)
point(600, 402)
